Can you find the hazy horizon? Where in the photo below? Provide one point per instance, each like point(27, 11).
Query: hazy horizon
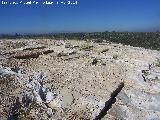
point(86, 16)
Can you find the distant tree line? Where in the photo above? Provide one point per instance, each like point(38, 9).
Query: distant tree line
point(149, 40)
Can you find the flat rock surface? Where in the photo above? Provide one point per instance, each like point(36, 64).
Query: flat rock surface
point(75, 79)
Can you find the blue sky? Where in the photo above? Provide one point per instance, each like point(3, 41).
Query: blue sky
point(86, 16)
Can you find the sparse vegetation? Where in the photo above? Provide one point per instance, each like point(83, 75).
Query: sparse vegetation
point(156, 78)
point(105, 50)
point(145, 72)
point(94, 62)
point(62, 54)
point(158, 63)
point(115, 56)
point(149, 40)
point(86, 46)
